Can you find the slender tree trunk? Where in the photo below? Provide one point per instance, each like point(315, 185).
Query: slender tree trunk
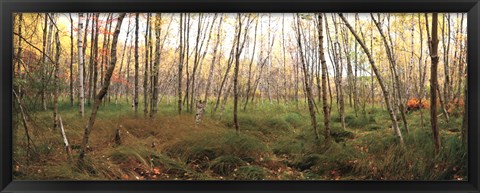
point(84, 47)
point(196, 59)
point(442, 104)
point(386, 96)
point(65, 140)
point(337, 62)
point(103, 91)
point(106, 56)
point(284, 59)
point(306, 79)
point(57, 81)
point(24, 122)
point(180, 64)
point(19, 52)
point(420, 73)
point(71, 59)
point(156, 68)
point(129, 57)
point(250, 69)
point(460, 59)
point(396, 81)
point(323, 63)
point(92, 61)
point(44, 61)
point(145, 76)
point(49, 51)
point(95, 61)
point(212, 68)
point(80, 66)
point(135, 98)
point(235, 75)
point(121, 63)
point(433, 80)
point(224, 79)
point(465, 114)
point(187, 61)
point(446, 52)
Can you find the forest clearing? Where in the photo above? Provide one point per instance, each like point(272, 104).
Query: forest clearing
point(240, 96)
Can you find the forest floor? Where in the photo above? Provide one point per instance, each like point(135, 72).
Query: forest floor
point(276, 142)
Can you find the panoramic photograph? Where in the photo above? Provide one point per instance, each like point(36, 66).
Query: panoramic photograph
point(240, 96)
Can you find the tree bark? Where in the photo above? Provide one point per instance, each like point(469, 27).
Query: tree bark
point(65, 140)
point(90, 66)
point(80, 66)
point(433, 80)
point(135, 97)
point(156, 67)
point(95, 61)
point(386, 96)
point(323, 63)
point(214, 59)
point(180, 63)
point(250, 69)
point(19, 52)
point(465, 114)
point(145, 75)
point(396, 81)
point(121, 63)
point(56, 81)
point(44, 60)
point(71, 60)
point(306, 79)
point(103, 91)
point(235, 75)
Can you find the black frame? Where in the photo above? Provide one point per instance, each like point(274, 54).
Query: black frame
point(8, 7)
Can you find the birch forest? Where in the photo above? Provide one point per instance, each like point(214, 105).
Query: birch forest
point(240, 96)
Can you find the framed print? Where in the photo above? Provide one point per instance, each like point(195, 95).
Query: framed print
point(236, 96)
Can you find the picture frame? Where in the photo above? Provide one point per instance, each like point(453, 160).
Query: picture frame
point(7, 7)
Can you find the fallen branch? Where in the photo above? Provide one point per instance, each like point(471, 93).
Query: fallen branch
point(24, 120)
point(65, 140)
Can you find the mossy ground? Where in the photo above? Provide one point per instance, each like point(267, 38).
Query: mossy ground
point(276, 142)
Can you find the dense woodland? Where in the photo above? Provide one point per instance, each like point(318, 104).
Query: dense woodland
point(240, 96)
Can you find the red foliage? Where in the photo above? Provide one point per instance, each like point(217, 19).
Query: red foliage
point(118, 79)
point(415, 104)
point(455, 105)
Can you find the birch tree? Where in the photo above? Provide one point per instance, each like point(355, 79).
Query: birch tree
point(156, 67)
point(81, 91)
point(103, 91)
point(380, 80)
